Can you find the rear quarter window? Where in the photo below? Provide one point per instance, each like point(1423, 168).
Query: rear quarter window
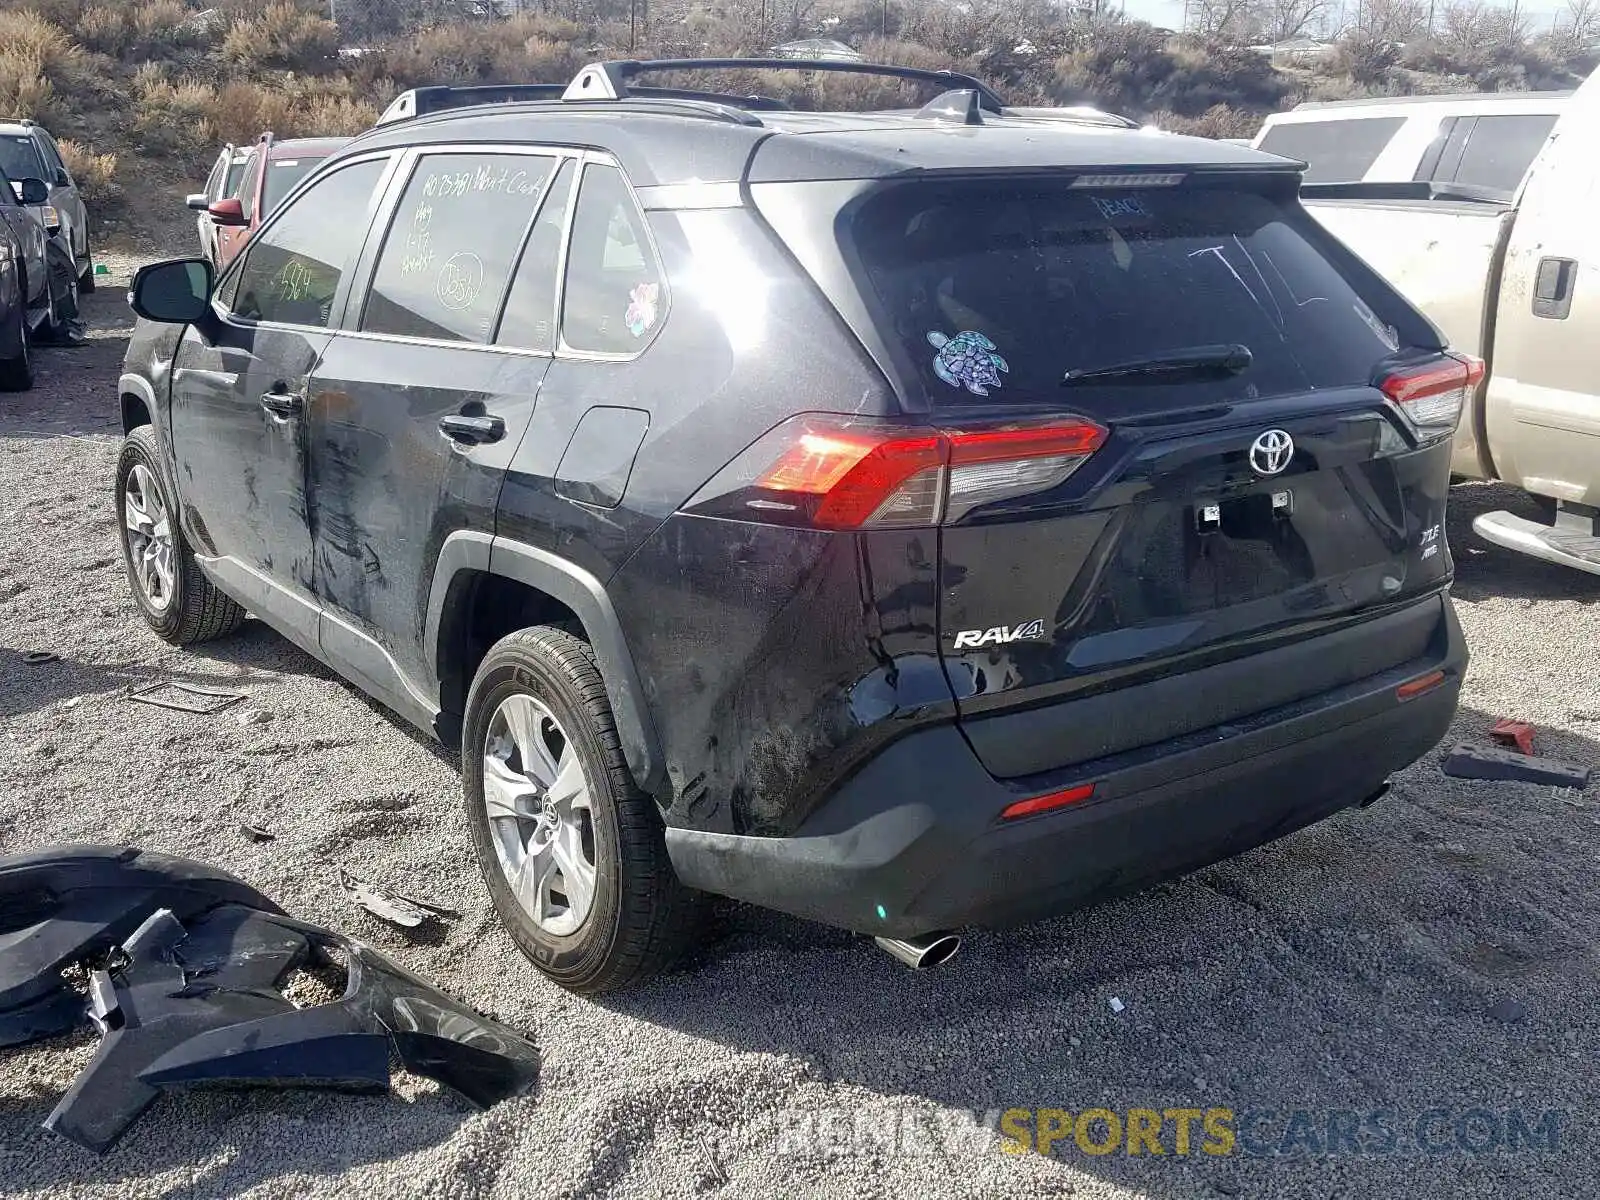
point(1341, 151)
point(995, 291)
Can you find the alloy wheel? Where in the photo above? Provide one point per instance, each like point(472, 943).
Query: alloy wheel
point(148, 531)
point(540, 819)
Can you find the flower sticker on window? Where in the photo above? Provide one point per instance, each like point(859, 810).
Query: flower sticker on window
point(643, 307)
point(967, 360)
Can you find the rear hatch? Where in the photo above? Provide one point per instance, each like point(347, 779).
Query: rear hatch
point(1251, 486)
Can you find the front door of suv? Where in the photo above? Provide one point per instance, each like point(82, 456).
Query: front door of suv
point(238, 398)
point(415, 412)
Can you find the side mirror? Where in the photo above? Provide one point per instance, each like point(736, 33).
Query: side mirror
point(228, 212)
point(175, 293)
point(197, 201)
point(33, 191)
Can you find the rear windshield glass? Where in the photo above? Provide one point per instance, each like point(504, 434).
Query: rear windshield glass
point(997, 291)
point(281, 178)
point(1340, 151)
point(19, 159)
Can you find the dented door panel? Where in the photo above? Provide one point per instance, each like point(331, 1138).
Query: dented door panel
point(387, 486)
point(241, 467)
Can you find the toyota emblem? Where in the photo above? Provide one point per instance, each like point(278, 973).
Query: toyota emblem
point(1270, 452)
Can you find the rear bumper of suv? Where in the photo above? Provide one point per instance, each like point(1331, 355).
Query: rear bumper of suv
point(914, 843)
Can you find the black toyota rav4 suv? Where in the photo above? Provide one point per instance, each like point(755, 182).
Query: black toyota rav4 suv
point(907, 520)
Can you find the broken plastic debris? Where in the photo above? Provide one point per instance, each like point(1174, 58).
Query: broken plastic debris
point(1117, 1005)
point(37, 658)
point(205, 700)
point(187, 970)
point(1517, 734)
point(1481, 760)
point(395, 909)
point(257, 833)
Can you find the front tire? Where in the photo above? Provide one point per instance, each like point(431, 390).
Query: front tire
point(175, 598)
point(86, 279)
point(572, 851)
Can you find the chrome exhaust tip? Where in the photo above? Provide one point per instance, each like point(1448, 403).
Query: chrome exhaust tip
point(923, 952)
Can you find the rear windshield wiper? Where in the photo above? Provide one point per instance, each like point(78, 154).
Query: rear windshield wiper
point(1173, 366)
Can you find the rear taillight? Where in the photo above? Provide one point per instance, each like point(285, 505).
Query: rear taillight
point(1434, 393)
point(839, 473)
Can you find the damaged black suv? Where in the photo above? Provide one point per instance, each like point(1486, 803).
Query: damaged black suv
point(907, 520)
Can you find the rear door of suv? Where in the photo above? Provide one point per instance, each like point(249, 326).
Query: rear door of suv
point(420, 401)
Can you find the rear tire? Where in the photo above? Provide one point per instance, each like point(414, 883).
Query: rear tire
point(637, 918)
point(175, 598)
point(16, 373)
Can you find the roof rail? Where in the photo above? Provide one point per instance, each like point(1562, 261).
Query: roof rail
point(611, 80)
point(423, 101)
point(419, 102)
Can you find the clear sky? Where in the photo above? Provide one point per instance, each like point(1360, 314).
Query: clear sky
point(1169, 13)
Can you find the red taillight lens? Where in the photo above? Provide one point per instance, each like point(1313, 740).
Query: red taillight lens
point(1039, 804)
point(842, 474)
point(853, 476)
point(1434, 393)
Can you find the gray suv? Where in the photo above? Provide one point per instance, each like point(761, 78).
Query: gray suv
point(27, 151)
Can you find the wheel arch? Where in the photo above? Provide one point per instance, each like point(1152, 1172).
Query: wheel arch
point(138, 402)
point(485, 586)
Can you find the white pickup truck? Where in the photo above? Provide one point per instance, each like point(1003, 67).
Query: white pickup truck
point(1517, 283)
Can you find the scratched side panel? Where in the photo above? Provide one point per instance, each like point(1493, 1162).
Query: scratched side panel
point(777, 661)
point(388, 487)
point(241, 470)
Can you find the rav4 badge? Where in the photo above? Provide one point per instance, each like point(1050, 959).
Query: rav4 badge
point(1000, 635)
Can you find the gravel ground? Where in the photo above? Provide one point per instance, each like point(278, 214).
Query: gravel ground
point(1435, 952)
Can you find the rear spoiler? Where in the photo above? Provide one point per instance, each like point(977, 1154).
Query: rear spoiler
point(1419, 189)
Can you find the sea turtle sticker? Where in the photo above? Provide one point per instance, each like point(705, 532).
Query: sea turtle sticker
point(643, 306)
point(967, 360)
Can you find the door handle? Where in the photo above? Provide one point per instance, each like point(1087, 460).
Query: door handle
point(472, 431)
point(284, 404)
point(1553, 286)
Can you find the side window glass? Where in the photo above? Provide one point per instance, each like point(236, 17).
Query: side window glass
point(451, 246)
point(247, 186)
point(530, 317)
point(1334, 151)
point(292, 269)
point(614, 298)
point(1502, 149)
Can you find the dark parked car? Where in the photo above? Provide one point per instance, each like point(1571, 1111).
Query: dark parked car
point(27, 151)
point(908, 522)
point(268, 175)
point(39, 293)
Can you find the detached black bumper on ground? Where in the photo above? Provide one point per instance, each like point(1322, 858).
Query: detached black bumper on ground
point(944, 859)
point(185, 968)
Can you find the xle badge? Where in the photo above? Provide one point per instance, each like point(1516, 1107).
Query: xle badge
point(1000, 635)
